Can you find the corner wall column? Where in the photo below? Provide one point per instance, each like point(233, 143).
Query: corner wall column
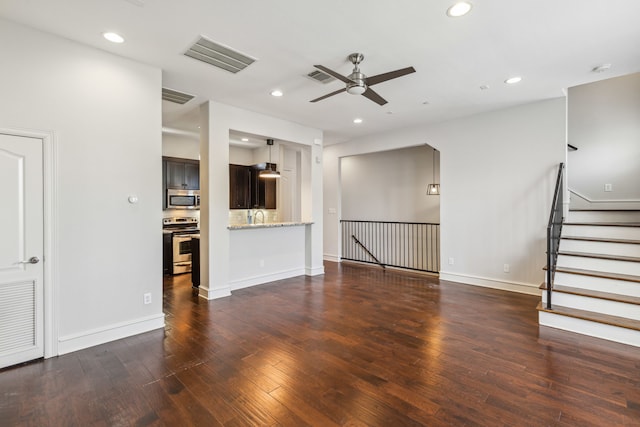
point(314, 232)
point(214, 196)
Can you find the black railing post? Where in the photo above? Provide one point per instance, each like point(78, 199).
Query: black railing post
point(554, 230)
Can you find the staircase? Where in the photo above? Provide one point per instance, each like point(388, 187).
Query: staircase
point(596, 289)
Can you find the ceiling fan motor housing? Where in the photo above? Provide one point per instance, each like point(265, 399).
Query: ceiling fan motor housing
point(357, 86)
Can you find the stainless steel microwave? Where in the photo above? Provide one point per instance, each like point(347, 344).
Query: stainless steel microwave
point(183, 199)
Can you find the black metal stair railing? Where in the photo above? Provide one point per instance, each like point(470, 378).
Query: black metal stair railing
point(554, 230)
point(407, 245)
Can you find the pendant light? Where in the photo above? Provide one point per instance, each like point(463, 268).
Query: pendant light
point(433, 189)
point(270, 172)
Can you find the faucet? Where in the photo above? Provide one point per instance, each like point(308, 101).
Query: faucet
point(255, 215)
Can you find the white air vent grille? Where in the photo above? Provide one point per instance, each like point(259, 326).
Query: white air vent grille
point(219, 56)
point(17, 317)
point(321, 77)
point(175, 96)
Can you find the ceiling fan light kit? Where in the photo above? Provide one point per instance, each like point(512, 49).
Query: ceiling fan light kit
point(357, 83)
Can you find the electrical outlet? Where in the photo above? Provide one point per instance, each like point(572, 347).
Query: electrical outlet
point(147, 298)
point(261, 263)
point(506, 268)
point(451, 261)
point(608, 187)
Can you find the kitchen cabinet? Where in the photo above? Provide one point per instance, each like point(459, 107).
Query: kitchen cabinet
point(195, 261)
point(167, 253)
point(239, 187)
point(264, 190)
point(181, 173)
point(247, 190)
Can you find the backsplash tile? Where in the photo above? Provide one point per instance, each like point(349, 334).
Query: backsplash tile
point(239, 216)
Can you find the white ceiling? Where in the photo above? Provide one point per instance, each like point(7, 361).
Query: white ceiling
point(552, 44)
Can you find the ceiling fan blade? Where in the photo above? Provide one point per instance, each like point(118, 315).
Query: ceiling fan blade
point(373, 95)
point(329, 94)
point(374, 80)
point(332, 73)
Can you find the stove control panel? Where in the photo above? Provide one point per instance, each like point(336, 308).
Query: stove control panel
point(180, 220)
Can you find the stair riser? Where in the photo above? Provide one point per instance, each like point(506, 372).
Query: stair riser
point(612, 308)
point(605, 265)
point(613, 286)
point(631, 233)
point(592, 329)
point(604, 248)
point(604, 216)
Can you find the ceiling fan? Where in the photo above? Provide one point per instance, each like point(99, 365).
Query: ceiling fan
point(358, 83)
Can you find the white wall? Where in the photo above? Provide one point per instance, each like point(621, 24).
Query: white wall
point(105, 114)
point(180, 146)
point(240, 156)
point(604, 123)
point(497, 177)
point(390, 186)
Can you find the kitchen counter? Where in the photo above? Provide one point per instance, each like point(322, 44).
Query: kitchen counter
point(267, 225)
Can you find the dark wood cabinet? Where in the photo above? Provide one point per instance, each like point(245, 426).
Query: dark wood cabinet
point(167, 253)
point(264, 190)
point(181, 173)
point(192, 176)
point(195, 261)
point(239, 187)
point(247, 190)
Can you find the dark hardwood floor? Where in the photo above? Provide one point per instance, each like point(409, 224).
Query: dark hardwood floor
point(354, 347)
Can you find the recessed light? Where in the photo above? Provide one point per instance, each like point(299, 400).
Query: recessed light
point(357, 121)
point(245, 139)
point(513, 80)
point(601, 68)
point(459, 9)
point(276, 93)
point(113, 37)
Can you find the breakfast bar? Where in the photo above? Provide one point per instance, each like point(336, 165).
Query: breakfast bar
point(261, 253)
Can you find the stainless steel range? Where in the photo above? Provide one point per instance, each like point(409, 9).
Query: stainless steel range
point(181, 230)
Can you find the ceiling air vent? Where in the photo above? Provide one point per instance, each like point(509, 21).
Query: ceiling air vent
point(319, 76)
point(219, 56)
point(175, 96)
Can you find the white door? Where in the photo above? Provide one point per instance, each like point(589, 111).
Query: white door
point(21, 249)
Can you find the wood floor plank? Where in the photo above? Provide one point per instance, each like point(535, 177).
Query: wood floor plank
point(356, 346)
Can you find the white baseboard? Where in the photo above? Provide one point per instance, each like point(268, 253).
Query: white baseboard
point(523, 288)
point(86, 339)
point(210, 294)
point(265, 278)
point(330, 257)
point(314, 271)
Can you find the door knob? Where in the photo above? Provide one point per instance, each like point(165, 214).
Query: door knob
point(32, 260)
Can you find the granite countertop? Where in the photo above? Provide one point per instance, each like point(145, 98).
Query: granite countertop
point(267, 225)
